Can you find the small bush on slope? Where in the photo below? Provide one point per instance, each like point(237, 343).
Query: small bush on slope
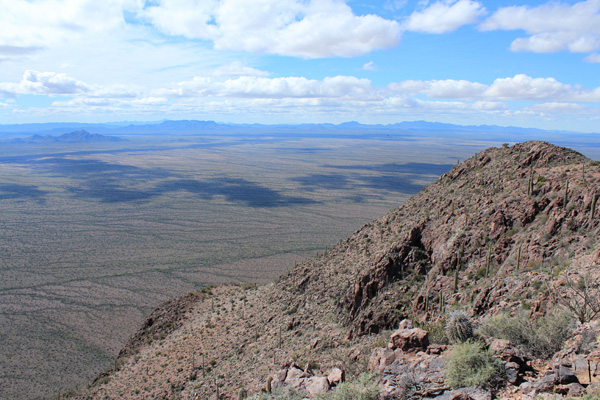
point(542, 338)
point(469, 364)
point(363, 388)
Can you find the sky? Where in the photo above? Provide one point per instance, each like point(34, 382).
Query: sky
point(511, 63)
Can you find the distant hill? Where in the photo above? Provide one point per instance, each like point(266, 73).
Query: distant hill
point(80, 136)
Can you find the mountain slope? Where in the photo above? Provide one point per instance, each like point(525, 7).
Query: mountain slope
point(334, 309)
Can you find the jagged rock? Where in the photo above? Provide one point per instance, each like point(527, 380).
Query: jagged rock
point(335, 376)
point(279, 379)
point(586, 367)
point(570, 390)
point(296, 377)
point(514, 360)
point(405, 324)
point(436, 349)
point(512, 373)
point(565, 376)
point(409, 339)
point(305, 382)
point(427, 370)
point(546, 384)
point(381, 358)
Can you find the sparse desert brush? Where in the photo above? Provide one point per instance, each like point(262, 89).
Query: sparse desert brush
point(362, 388)
point(470, 364)
point(542, 337)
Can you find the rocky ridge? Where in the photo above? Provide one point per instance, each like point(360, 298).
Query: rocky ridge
point(501, 231)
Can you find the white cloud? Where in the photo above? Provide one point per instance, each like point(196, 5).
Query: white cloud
point(519, 87)
point(523, 87)
point(453, 89)
point(444, 16)
point(44, 83)
point(370, 66)
point(276, 88)
point(314, 29)
point(236, 68)
point(551, 27)
point(593, 58)
point(30, 24)
point(552, 107)
point(394, 5)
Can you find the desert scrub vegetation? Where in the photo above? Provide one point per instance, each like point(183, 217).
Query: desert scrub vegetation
point(581, 296)
point(470, 364)
point(437, 331)
point(364, 387)
point(542, 337)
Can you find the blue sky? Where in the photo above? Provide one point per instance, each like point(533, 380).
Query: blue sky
point(521, 63)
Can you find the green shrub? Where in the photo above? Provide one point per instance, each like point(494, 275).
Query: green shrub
point(470, 364)
point(363, 388)
point(459, 327)
point(437, 331)
point(542, 338)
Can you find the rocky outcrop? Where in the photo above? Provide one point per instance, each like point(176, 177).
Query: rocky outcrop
point(305, 381)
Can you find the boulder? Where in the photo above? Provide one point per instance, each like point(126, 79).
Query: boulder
point(587, 368)
point(316, 385)
point(335, 376)
point(565, 376)
point(296, 377)
point(414, 339)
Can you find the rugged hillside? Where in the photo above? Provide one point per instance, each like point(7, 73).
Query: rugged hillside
point(499, 231)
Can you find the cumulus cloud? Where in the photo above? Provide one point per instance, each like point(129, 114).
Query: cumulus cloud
point(30, 25)
point(551, 27)
point(517, 88)
point(454, 89)
point(43, 83)
point(444, 16)
point(314, 29)
point(276, 88)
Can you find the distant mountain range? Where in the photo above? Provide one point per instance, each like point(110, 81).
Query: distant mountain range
point(350, 129)
point(80, 136)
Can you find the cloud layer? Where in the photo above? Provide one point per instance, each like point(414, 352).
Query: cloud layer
point(319, 28)
point(252, 91)
point(551, 27)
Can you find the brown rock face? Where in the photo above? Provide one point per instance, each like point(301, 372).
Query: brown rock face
point(414, 339)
